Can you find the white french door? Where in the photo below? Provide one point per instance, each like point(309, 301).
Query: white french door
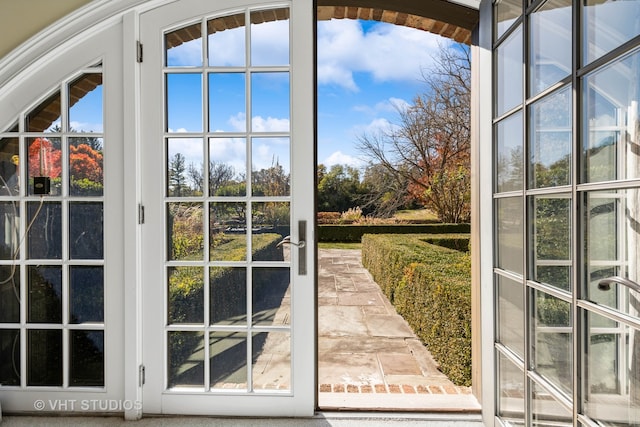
point(227, 191)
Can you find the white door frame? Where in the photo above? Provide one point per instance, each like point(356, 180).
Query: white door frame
point(301, 400)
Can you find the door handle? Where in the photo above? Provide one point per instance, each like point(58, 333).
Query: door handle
point(287, 241)
point(605, 284)
point(302, 248)
point(301, 244)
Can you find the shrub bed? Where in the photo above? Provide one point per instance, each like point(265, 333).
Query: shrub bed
point(430, 286)
point(354, 233)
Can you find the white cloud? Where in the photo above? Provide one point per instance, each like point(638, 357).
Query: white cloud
point(270, 124)
point(340, 158)
point(391, 105)
point(270, 43)
point(232, 151)
point(189, 53)
point(389, 52)
point(269, 151)
point(374, 127)
point(226, 48)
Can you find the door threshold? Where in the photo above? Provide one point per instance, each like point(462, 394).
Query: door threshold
point(444, 403)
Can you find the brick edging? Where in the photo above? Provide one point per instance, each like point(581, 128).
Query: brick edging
point(394, 389)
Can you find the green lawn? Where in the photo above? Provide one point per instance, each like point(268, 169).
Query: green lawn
point(339, 245)
point(416, 214)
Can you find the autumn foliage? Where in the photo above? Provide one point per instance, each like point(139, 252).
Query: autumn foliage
point(45, 159)
point(85, 162)
point(429, 148)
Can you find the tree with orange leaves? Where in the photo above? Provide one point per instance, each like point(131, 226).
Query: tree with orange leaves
point(44, 158)
point(85, 163)
point(430, 148)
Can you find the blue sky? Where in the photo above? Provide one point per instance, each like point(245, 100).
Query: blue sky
point(366, 70)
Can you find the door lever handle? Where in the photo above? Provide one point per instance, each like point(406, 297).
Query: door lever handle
point(287, 241)
point(605, 284)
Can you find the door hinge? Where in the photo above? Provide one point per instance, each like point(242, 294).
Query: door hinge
point(140, 213)
point(141, 375)
point(138, 51)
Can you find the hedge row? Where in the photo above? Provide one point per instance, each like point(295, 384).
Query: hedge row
point(430, 286)
point(354, 233)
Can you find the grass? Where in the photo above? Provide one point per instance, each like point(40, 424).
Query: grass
point(339, 245)
point(416, 214)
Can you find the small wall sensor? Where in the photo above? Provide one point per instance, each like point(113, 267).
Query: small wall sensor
point(41, 185)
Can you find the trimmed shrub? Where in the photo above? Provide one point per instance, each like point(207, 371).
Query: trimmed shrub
point(430, 287)
point(354, 233)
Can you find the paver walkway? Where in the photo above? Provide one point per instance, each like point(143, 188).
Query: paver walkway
point(368, 357)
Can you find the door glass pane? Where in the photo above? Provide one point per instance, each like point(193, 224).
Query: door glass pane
point(271, 167)
point(271, 298)
point(226, 39)
point(86, 294)
point(270, 37)
point(228, 231)
point(45, 235)
point(228, 295)
point(44, 360)
point(551, 140)
point(506, 12)
point(270, 102)
point(184, 102)
point(45, 159)
point(551, 228)
point(9, 232)
point(270, 224)
point(510, 154)
point(550, 38)
point(228, 360)
point(607, 25)
point(9, 167)
point(86, 359)
point(184, 47)
point(185, 359)
point(510, 234)
point(227, 167)
point(232, 317)
point(46, 116)
point(59, 292)
point(45, 294)
point(611, 121)
point(553, 346)
point(185, 167)
point(509, 73)
point(186, 295)
point(271, 361)
point(185, 239)
point(510, 392)
point(9, 294)
point(612, 364)
point(547, 411)
point(86, 236)
point(85, 104)
point(86, 176)
point(10, 357)
point(510, 320)
point(612, 242)
point(227, 102)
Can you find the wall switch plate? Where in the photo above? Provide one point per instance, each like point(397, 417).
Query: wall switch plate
point(41, 185)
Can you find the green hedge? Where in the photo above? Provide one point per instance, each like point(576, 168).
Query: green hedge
point(430, 286)
point(354, 233)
